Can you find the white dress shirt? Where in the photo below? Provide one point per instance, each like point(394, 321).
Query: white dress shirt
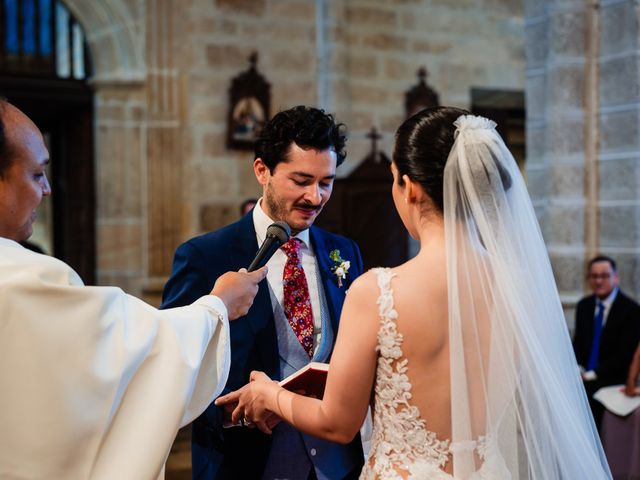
point(607, 305)
point(261, 222)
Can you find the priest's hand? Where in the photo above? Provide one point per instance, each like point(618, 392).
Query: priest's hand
point(238, 289)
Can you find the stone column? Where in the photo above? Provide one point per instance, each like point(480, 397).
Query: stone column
point(559, 134)
point(115, 35)
point(120, 150)
point(582, 135)
point(163, 166)
point(619, 156)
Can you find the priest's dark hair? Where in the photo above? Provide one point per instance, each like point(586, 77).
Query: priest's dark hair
point(307, 127)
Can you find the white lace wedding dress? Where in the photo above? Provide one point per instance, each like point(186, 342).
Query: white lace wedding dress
point(518, 406)
point(402, 445)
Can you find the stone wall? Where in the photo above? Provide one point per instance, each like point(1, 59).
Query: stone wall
point(355, 58)
point(162, 69)
point(463, 44)
point(619, 134)
point(582, 135)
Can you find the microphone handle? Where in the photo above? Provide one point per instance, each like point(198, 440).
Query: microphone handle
point(267, 249)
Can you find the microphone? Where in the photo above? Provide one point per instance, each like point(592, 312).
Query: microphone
point(277, 235)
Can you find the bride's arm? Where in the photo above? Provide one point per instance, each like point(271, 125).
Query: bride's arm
point(340, 414)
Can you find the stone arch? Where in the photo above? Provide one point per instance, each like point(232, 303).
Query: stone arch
point(137, 140)
point(115, 35)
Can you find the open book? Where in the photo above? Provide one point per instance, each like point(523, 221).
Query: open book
point(309, 380)
point(614, 400)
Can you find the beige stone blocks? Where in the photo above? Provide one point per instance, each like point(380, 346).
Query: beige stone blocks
point(214, 216)
point(371, 16)
point(245, 7)
point(385, 41)
point(619, 79)
point(619, 130)
point(299, 61)
point(432, 46)
point(582, 136)
point(619, 28)
point(619, 176)
point(292, 9)
point(119, 247)
point(227, 55)
point(569, 272)
point(568, 32)
point(363, 66)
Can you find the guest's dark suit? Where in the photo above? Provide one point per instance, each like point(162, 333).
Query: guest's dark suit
point(618, 341)
point(242, 453)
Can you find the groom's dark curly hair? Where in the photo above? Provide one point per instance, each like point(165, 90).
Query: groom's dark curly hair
point(308, 127)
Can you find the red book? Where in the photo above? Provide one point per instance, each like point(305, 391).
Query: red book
point(310, 379)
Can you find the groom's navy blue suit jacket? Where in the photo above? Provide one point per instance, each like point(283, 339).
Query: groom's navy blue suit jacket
point(236, 453)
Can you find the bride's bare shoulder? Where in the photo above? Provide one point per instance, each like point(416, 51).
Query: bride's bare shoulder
point(364, 290)
point(364, 284)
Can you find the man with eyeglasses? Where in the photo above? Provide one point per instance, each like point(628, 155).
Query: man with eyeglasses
point(607, 331)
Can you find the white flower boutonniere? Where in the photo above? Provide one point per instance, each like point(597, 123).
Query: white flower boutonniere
point(341, 267)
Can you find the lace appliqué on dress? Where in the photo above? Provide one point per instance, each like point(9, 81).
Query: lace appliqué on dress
point(400, 437)
point(401, 444)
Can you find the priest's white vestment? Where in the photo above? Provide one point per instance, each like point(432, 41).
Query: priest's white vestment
point(94, 382)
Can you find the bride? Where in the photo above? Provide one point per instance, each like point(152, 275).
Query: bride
point(463, 351)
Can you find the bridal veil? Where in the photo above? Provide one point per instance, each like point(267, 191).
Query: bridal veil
point(517, 397)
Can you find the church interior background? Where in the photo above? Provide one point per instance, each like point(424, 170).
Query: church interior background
point(133, 97)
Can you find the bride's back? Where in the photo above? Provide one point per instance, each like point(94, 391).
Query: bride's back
point(475, 376)
point(420, 299)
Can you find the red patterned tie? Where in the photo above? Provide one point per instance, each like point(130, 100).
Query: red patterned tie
point(297, 304)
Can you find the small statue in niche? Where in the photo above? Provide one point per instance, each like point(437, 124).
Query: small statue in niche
point(248, 119)
point(249, 103)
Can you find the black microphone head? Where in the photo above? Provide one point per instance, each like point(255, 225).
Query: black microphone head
point(280, 230)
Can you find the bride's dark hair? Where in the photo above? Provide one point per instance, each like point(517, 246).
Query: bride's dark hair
point(423, 144)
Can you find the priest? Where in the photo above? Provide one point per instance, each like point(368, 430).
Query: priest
point(95, 383)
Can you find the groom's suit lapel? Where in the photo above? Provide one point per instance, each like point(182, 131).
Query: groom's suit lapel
point(333, 293)
point(260, 316)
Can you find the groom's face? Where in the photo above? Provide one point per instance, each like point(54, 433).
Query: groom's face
point(298, 187)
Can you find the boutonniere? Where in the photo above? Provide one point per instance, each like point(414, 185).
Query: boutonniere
point(340, 267)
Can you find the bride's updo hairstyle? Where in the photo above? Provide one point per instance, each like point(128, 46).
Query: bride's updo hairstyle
point(423, 144)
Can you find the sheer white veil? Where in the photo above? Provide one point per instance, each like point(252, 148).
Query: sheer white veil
point(514, 381)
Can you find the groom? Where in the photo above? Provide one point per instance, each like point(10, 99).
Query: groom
point(294, 318)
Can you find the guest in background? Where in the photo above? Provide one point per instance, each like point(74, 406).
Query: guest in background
point(247, 206)
point(607, 331)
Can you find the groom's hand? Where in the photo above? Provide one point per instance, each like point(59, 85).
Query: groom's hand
point(251, 403)
point(238, 289)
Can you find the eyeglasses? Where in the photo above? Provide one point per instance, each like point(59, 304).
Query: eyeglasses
point(601, 276)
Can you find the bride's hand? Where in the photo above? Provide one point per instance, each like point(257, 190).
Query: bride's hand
point(252, 401)
point(631, 390)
